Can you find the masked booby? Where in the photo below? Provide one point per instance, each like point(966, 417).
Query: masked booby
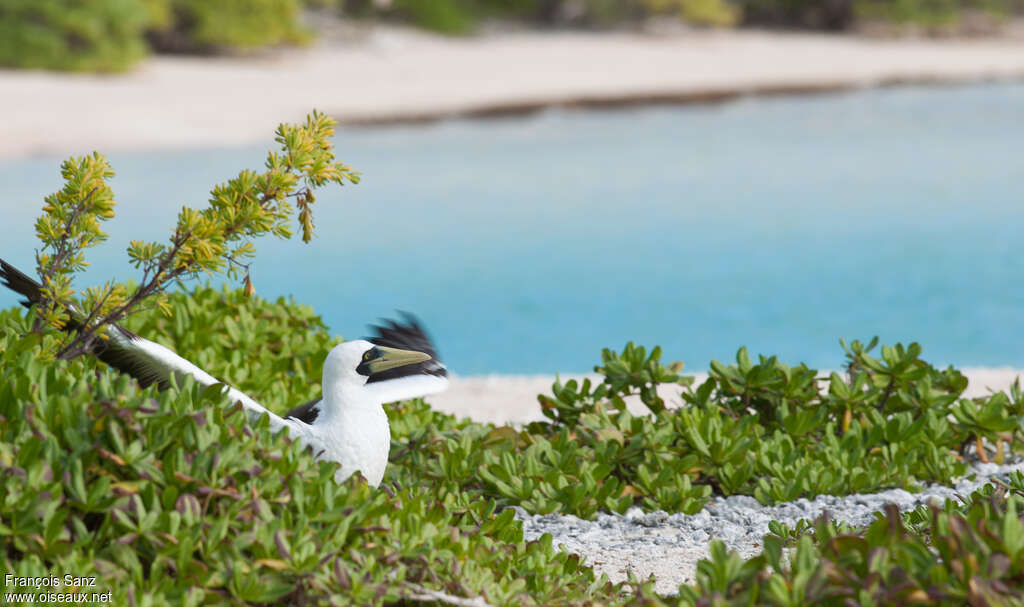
point(347, 425)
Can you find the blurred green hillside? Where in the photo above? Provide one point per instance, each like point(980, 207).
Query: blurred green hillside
point(460, 16)
point(112, 35)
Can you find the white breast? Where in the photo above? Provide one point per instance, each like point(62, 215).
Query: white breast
point(358, 439)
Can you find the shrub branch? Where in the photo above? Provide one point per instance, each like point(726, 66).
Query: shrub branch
point(214, 240)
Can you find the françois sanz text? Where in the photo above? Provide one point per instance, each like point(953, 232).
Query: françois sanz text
point(50, 581)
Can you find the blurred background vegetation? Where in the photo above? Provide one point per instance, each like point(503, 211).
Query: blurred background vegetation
point(112, 35)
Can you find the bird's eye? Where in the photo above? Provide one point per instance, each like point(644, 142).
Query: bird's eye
point(367, 355)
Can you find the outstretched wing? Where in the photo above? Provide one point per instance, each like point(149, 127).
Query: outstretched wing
point(148, 362)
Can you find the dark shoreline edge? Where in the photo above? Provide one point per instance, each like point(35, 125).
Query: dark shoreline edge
point(713, 96)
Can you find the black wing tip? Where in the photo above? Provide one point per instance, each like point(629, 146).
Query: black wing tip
point(410, 324)
point(118, 357)
point(409, 332)
point(407, 335)
point(21, 283)
point(410, 318)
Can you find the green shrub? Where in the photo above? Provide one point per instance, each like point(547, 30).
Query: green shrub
point(763, 429)
point(814, 14)
point(923, 12)
point(111, 35)
point(448, 16)
point(718, 13)
point(969, 553)
point(218, 25)
point(211, 240)
point(444, 16)
point(462, 16)
point(102, 35)
point(173, 495)
point(932, 13)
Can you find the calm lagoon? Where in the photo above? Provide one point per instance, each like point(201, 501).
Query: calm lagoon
point(528, 244)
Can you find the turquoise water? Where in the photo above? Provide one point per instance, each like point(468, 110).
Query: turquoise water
point(528, 244)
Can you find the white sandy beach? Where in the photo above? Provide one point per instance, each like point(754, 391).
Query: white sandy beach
point(386, 74)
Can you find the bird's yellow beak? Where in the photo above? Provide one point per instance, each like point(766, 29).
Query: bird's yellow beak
point(390, 358)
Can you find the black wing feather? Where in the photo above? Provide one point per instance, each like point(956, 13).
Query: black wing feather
point(408, 336)
point(307, 412)
point(109, 351)
point(17, 281)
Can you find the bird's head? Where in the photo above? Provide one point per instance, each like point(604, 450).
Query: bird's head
point(353, 363)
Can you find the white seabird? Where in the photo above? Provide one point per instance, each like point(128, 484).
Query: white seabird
point(347, 425)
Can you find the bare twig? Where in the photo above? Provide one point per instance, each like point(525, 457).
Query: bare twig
point(427, 595)
point(62, 250)
point(65, 353)
point(887, 393)
point(86, 336)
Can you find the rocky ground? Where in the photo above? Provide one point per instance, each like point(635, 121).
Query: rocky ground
point(668, 546)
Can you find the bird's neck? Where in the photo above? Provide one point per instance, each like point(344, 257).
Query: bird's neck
point(343, 399)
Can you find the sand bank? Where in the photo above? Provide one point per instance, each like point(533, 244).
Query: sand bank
point(512, 399)
point(389, 74)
